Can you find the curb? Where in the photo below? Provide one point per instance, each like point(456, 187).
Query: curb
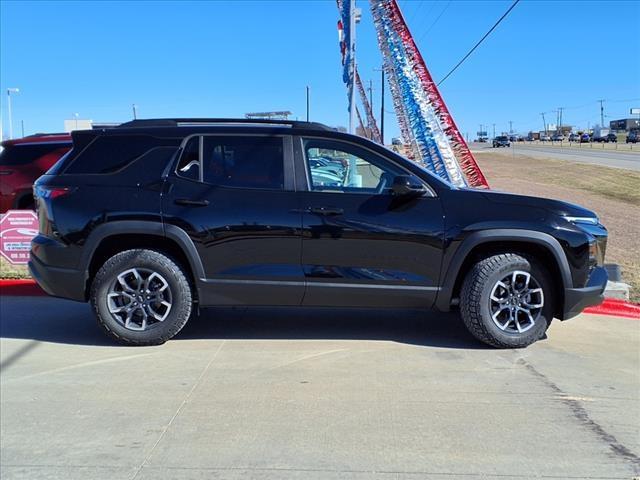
point(616, 307)
point(610, 306)
point(20, 288)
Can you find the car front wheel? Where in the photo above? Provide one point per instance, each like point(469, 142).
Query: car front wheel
point(507, 301)
point(141, 297)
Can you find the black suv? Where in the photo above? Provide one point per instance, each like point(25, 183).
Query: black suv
point(155, 219)
point(501, 141)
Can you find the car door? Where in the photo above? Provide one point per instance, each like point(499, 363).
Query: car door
point(362, 245)
point(234, 196)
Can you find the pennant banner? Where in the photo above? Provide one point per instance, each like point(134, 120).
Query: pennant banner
point(425, 123)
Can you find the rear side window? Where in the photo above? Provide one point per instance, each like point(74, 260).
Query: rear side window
point(243, 161)
point(23, 154)
point(109, 154)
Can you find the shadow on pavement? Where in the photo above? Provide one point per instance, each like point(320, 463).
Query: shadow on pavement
point(61, 321)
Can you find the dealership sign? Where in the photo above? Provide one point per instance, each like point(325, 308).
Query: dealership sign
point(17, 228)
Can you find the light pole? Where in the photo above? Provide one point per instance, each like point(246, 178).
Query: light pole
point(308, 102)
point(135, 111)
point(9, 92)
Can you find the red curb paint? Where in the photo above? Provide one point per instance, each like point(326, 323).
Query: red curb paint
point(610, 306)
point(20, 288)
point(618, 308)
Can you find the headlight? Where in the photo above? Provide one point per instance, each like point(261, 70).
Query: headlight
point(583, 220)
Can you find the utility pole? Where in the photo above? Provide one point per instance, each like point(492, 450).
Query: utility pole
point(480, 133)
point(22, 125)
point(381, 70)
point(510, 127)
point(371, 94)
point(352, 67)
point(560, 109)
point(307, 103)
point(494, 130)
point(135, 111)
point(544, 122)
point(601, 113)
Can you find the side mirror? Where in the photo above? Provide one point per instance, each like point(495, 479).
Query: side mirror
point(404, 185)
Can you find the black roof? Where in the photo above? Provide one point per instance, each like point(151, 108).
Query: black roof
point(222, 122)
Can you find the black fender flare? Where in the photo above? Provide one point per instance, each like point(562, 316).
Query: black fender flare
point(120, 227)
point(452, 268)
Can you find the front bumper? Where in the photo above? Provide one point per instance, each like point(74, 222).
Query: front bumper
point(58, 282)
point(577, 299)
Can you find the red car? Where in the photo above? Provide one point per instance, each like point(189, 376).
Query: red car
point(22, 161)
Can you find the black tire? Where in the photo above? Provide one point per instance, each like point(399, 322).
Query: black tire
point(475, 303)
point(146, 260)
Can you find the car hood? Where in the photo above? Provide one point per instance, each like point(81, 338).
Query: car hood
point(557, 207)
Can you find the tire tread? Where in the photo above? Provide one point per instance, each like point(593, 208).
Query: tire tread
point(471, 298)
point(184, 292)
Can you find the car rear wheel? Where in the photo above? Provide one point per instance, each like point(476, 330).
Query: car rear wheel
point(141, 297)
point(507, 301)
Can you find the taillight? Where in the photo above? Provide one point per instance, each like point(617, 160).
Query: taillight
point(48, 192)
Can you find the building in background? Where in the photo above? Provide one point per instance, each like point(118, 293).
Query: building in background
point(625, 124)
point(84, 124)
point(282, 115)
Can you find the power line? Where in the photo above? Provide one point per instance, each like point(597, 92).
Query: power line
point(435, 21)
point(415, 12)
point(433, 4)
point(479, 41)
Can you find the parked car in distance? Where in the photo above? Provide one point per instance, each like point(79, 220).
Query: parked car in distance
point(513, 138)
point(557, 138)
point(155, 219)
point(585, 138)
point(611, 138)
point(574, 137)
point(545, 138)
point(22, 161)
point(633, 137)
point(501, 141)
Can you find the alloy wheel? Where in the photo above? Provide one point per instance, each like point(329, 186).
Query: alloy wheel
point(516, 302)
point(139, 298)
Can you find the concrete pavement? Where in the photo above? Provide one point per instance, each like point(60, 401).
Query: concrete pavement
point(595, 155)
point(274, 393)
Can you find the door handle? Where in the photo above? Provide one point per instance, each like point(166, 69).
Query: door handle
point(327, 211)
point(191, 203)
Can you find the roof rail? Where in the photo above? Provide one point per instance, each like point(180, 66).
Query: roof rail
point(41, 134)
point(177, 122)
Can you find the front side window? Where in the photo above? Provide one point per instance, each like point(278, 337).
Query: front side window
point(189, 165)
point(341, 167)
point(243, 161)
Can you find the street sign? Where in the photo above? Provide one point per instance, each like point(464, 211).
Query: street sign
point(17, 228)
point(635, 111)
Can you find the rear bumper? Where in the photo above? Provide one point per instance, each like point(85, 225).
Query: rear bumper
point(58, 282)
point(577, 299)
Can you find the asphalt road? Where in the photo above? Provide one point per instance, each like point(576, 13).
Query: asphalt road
point(609, 158)
point(295, 394)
